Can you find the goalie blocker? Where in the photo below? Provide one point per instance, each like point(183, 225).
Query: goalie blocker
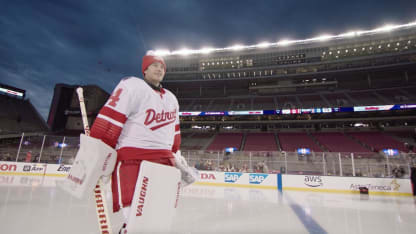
point(93, 160)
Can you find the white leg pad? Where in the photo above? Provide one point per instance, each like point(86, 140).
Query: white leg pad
point(155, 199)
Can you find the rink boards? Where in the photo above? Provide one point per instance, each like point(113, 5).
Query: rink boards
point(314, 183)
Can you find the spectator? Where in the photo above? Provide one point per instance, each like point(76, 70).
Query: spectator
point(28, 156)
point(398, 171)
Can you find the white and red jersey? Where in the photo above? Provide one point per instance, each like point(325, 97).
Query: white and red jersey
point(137, 116)
point(141, 123)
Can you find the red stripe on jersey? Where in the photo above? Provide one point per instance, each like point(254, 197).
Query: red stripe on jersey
point(132, 153)
point(106, 131)
point(176, 143)
point(161, 125)
point(177, 127)
point(119, 117)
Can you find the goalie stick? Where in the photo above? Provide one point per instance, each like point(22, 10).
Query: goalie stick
point(99, 196)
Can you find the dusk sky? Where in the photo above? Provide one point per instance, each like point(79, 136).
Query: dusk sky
point(43, 43)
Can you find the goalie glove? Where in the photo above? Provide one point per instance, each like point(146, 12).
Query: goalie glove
point(188, 174)
point(94, 159)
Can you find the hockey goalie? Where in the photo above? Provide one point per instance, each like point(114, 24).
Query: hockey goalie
point(135, 139)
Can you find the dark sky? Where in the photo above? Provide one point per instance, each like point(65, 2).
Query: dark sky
point(99, 42)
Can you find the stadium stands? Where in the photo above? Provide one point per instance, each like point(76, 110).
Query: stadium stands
point(311, 101)
point(196, 141)
point(18, 116)
point(338, 142)
point(226, 140)
point(365, 98)
point(264, 103)
point(378, 141)
point(293, 141)
point(260, 142)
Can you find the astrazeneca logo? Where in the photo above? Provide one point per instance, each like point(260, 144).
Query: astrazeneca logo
point(257, 178)
point(231, 177)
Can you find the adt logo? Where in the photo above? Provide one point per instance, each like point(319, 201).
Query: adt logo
point(257, 178)
point(231, 177)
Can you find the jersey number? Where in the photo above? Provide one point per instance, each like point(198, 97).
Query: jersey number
point(115, 98)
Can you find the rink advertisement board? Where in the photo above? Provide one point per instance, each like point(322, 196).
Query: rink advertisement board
point(35, 169)
point(238, 179)
point(335, 184)
point(314, 183)
point(21, 168)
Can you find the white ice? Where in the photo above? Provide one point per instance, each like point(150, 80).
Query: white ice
point(36, 205)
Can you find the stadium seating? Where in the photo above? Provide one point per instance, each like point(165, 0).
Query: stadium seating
point(195, 141)
point(260, 142)
point(19, 115)
point(378, 141)
point(226, 140)
point(293, 141)
point(338, 142)
point(311, 101)
point(264, 103)
point(365, 98)
point(242, 104)
point(286, 102)
point(337, 99)
point(220, 104)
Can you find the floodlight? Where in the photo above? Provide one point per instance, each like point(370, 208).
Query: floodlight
point(348, 34)
point(386, 28)
point(237, 47)
point(184, 52)
point(323, 37)
point(263, 45)
point(206, 50)
point(284, 42)
point(161, 52)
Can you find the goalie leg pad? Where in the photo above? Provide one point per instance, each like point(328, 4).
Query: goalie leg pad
point(155, 198)
point(93, 160)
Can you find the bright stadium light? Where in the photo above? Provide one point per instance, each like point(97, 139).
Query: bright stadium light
point(161, 52)
point(386, 28)
point(263, 44)
point(206, 50)
point(237, 47)
point(350, 34)
point(184, 52)
point(323, 37)
point(284, 42)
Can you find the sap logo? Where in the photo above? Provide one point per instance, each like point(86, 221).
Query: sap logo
point(313, 181)
point(207, 176)
point(257, 178)
point(231, 177)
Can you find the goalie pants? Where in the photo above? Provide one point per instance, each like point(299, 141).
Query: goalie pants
point(124, 177)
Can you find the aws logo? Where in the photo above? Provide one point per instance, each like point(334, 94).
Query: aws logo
point(313, 181)
point(232, 177)
point(257, 178)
